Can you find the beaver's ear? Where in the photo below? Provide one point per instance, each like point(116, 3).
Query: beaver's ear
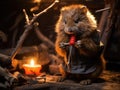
point(84, 9)
point(62, 11)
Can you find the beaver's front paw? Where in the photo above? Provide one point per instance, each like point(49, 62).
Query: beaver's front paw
point(62, 45)
point(86, 82)
point(78, 44)
point(60, 79)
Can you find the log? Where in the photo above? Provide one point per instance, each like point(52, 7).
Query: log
point(26, 53)
point(5, 53)
point(103, 23)
point(109, 29)
point(8, 76)
point(24, 50)
point(4, 56)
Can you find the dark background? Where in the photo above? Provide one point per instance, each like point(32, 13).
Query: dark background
point(12, 23)
point(11, 14)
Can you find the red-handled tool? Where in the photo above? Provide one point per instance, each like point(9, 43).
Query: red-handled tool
point(72, 40)
point(71, 43)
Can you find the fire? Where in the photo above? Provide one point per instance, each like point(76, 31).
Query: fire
point(32, 68)
point(32, 63)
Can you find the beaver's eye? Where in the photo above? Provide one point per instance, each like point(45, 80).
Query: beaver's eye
point(77, 20)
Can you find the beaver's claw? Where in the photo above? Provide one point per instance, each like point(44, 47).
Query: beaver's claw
point(78, 44)
point(86, 82)
point(62, 45)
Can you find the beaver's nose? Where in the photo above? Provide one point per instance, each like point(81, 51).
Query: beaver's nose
point(70, 30)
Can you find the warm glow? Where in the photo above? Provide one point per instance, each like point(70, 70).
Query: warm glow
point(32, 68)
point(36, 1)
point(32, 62)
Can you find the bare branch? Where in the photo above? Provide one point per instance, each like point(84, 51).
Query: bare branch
point(45, 10)
point(104, 9)
point(26, 17)
point(29, 27)
point(4, 56)
point(7, 75)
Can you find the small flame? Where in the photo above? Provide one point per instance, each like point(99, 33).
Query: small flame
point(32, 62)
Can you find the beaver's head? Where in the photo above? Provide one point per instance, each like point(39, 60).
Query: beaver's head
point(75, 19)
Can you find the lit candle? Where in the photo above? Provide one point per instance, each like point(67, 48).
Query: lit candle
point(32, 68)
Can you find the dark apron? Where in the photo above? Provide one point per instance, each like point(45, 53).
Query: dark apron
point(79, 64)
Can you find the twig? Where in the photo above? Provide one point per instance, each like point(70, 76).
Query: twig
point(29, 27)
point(4, 56)
point(45, 10)
point(26, 17)
point(104, 9)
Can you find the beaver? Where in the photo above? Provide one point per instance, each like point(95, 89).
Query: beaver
point(82, 59)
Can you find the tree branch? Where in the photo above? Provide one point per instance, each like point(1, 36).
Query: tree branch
point(29, 26)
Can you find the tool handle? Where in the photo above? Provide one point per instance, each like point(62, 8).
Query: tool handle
point(72, 40)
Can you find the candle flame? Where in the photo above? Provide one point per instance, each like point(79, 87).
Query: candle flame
point(32, 62)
